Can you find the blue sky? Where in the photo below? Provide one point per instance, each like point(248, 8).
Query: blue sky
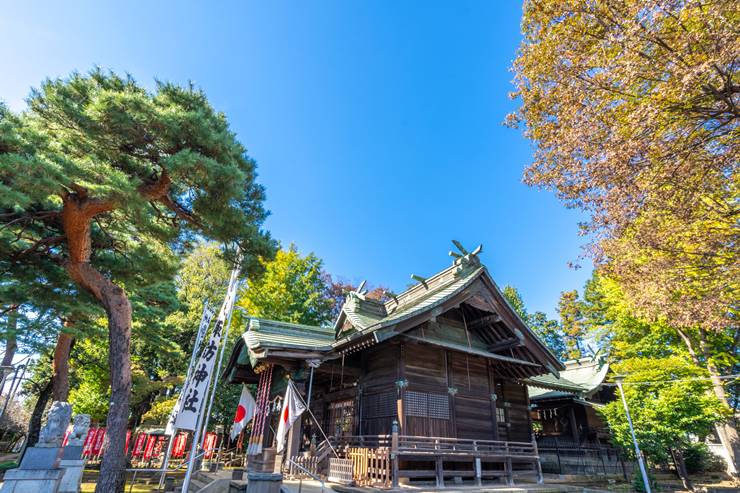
point(376, 125)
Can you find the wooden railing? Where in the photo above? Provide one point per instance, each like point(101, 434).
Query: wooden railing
point(459, 446)
point(375, 458)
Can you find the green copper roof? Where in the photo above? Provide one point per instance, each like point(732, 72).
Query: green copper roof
point(266, 334)
point(423, 300)
point(552, 386)
point(582, 377)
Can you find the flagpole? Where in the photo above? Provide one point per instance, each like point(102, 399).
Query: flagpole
point(193, 452)
point(290, 382)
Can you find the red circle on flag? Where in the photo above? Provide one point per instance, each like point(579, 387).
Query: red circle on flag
point(240, 413)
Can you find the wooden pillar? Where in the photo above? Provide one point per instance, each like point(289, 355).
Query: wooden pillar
point(508, 467)
point(293, 444)
point(394, 454)
point(440, 472)
point(573, 424)
point(538, 464)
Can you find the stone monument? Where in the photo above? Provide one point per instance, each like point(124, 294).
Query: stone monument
point(39, 471)
point(72, 461)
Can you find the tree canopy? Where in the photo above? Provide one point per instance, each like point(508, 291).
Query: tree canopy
point(293, 289)
point(633, 108)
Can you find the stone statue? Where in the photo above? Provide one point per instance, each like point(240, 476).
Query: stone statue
point(80, 427)
point(52, 434)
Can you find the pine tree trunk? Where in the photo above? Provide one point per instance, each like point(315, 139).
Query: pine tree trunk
point(34, 425)
point(118, 308)
point(60, 366)
point(680, 464)
point(11, 345)
point(77, 215)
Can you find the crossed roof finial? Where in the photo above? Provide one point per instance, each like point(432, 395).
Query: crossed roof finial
point(463, 251)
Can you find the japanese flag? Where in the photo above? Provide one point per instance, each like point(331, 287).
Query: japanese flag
point(292, 408)
point(244, 412)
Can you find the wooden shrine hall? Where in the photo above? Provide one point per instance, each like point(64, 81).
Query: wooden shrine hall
point(426, 386)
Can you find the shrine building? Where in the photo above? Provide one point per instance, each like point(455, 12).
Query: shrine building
point(429, 385)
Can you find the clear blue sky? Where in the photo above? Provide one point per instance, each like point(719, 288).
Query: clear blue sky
point(376, 124)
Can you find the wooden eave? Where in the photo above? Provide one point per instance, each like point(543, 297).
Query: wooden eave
point(528, 351)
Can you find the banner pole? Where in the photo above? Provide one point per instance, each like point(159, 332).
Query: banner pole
point(220, 362)
point(196, 347)
point(194, 448)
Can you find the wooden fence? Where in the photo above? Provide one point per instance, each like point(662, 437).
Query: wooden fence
point(310, 464)
point(341, 471)
point(370, 467)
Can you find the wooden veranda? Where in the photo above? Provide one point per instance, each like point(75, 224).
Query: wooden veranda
point(386, 460)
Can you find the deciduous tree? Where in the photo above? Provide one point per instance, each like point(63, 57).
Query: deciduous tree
point(630, 338)
point(633, 107)
point(669, 402)
point(293, 289)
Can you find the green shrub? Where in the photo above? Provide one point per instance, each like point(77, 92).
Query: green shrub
point(699, 459)
point(695, 456)
point(638, 484)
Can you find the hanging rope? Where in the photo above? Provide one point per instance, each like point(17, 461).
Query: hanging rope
point(253, 437)
point(262, 412)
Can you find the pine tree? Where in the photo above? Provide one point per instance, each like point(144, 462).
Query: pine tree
point(106, 179)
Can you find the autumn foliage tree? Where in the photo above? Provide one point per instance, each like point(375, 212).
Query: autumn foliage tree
point(100, 169)
point(633, 107)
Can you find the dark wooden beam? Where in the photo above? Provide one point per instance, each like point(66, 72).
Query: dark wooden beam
point(509, 343)
point(336, 368)
point(486, 320)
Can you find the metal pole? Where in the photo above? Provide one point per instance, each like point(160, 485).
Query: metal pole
point(310, 387)
point(14, 387)
point(634, 438)
point(175, 431)
point(193, 452)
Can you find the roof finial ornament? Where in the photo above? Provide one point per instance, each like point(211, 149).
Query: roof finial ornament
point(361, 287)
point(465, 259)
point(359, 292)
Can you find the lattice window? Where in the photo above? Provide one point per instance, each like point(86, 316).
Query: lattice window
point(427, 405)
point(416, 403)
point(500, 415)
point(341, 415)
point(379, 405)
point(439, 406)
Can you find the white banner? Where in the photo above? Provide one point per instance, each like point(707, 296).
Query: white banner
point(195, 389)
point(205, 322)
